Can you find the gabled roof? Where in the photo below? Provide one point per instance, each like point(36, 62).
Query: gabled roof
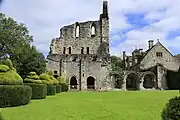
point(156, 45)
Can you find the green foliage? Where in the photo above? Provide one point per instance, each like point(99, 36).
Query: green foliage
point(14, 95)
point(172, 109)
point(39, 91)
point(58, 88)
point(4, 68)
point(1, 117)
point(9, 63)
point(15, 41)
point(61, 79)
point(51, 89)
point(28, 80)
point(117, 70)
point(48, 79)
point(44, 76)
point(33, 75)
point(10, 78)
point(64, 87)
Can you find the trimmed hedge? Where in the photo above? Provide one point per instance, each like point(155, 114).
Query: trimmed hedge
point(64, 87)
point(27, 80)
point(172, 109)
point(14, 95)
point(58, 88)
point(1, 118)
point(39, 91)
point(51, 89)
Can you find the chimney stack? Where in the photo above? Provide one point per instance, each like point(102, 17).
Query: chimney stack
point(151, 43)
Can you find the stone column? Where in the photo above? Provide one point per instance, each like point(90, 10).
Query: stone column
point(159, 76)
point(141, 84)
point(124, 82)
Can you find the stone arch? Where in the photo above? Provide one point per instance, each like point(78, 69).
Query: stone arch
point(73, 83)
point(90, 82)
point(132, 80)
point(148, 80)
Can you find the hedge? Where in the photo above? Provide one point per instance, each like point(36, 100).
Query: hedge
point(1, 118)
point(64, 87)
point(39, 91)
point(58, 88)
point(27, 80)
point(14, 95)
point(172, 109)
point(51, 89)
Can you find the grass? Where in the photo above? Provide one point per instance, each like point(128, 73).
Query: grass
point(145, 105)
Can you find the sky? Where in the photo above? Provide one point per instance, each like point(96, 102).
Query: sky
point(132, 22)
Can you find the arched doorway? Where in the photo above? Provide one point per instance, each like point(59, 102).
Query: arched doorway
point(90, 83)
point(73, 83)
point(149, 81)
point(132, 81)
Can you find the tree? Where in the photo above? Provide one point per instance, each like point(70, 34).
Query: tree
point(15, 42)
point(117, 70)
point(29, 59)
point(12, 35)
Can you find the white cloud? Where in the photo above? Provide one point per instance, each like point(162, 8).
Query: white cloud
point(44, 18)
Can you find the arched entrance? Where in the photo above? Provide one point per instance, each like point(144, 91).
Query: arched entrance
point(73, 83)
point(132, 81)
point(90, 83)
point(149, 81)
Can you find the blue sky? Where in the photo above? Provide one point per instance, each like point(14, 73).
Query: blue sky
point(132, 22)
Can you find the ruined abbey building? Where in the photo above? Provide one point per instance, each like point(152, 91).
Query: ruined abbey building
point(81, 54)
point(155, 68)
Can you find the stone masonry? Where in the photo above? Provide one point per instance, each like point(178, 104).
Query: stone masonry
point(81, 54)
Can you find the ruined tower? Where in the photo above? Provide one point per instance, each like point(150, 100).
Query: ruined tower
point(81, 54)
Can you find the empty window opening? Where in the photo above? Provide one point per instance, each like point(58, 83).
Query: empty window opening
point(82, 50)
point(93, 31)
point(159, 54)
point(77, 31)
point(64, 50)
point(55, 72)
point(87, 50)
point(69, 50)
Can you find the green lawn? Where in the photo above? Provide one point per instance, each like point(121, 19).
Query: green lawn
point(94, 106)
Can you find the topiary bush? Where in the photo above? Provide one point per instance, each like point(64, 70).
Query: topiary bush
point(14, 95)
point(64, 86)
point(33, 75)
point(58, 88)
point(39, 91)
point(9, 77)
point(12, 90)
point(51, 89)
point(172, 109)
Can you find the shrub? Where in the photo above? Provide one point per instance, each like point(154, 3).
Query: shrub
point(51, 89)
point(4, 68)
point(33, 75)
point(44, 76)
point(1, 118)
point(10, 77)
point(27, 80)
point(8, 62)
point(64, 87)
point(14, 95)
point(39, 91)
point(172, 110)
point(58, 88)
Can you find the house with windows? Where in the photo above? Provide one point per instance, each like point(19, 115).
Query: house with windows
point(81, 54)
point(154, 68)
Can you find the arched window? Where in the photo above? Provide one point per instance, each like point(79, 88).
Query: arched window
point(93, 30)
point(64, 50)
point(87, 50)
point(82, 50)
point(77, 30)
